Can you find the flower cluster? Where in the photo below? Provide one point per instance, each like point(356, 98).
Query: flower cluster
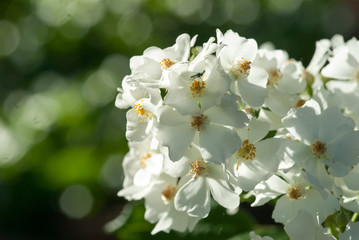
point(207, 123)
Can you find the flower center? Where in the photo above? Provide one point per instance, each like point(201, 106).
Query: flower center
point(274, 77)
point(247, 151)
point(141, 112)
point(294, 192)
point(318, 148)
point(300, 103)
point(198, 121)
point(308, 77)
point(143, 159)
point(356, 76)
point(168, 193)
point(241, 68)
point(166, 63)
point(198, 167)
point(197, 85)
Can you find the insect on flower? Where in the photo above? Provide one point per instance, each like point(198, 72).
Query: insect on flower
point(198, 75)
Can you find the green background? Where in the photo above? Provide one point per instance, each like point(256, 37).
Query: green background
point(61, 138)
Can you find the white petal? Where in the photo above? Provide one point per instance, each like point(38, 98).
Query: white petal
point(286, 209)
point(258, 76)
point(217, 84)
point(175, 132)
point(272, 118)
point(280, 102)
point(319, 57)
point(264, 164)
point(297, 152)
point(227, 114)
point(341, 66)
point(304, 226)
point(194, 198)
point(269, 190)
point(155, 164)
point(252, 94)
point(249, 175)
point(303, 124)
point(351, 231)
point(134, 192)
point(291, 82)
point(333, 125)
point(258, 130)
point(217, 143)
point(142, 177)
point(352, 178)
point(179, 94)
point(222, 194)
point(316, 173)
point(343, 154)
point(135, 129)
point(239, 46)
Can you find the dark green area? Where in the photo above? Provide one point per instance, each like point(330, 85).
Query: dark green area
point(60, 65)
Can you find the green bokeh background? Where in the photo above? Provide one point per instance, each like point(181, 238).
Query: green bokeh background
point(62, 141)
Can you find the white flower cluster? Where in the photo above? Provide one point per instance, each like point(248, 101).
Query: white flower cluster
point(207, 123)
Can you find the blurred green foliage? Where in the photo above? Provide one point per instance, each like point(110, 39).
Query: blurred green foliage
point(61, 138)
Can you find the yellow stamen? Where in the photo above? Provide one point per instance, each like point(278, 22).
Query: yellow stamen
point(274, 77)
point(168, 193)
point(246, 152)
point(141, 112)
point(197, 86)
point(143, 159)
point(294, 193)
point(166, 63)
point(319, 148)
point(198, 167)
point(241, 68)
point(198, 121)
point(300, 103)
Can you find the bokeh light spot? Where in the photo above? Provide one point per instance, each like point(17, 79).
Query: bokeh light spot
point(100, 88)
point(284, 6)
point(242, 11)
point(9, 38)
point(123, 6)
point(139, 21)
point(111, 171)
point(76, 201)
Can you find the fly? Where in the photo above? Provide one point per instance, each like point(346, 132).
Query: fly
point(198, 75)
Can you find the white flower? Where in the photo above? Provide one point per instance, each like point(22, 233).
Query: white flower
point(253, 236)
point(351, 231)
point(236, 57)
point(202, 180)
point(312, 72)
point(283, 73)
point(150, 67)
point(255, 160)
point(141, 165)
point(343, 69)
point(305, 226)
point(320, 57)
point(131, 92)
point(345, 62)
point(197, 87)
point(349, 198)
point(325, 141)
point(297, 195)
point(274, 119)
point(142, 118)
point(160, 208)
point(216, 138)
point(284, 81)
point(281, 102)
